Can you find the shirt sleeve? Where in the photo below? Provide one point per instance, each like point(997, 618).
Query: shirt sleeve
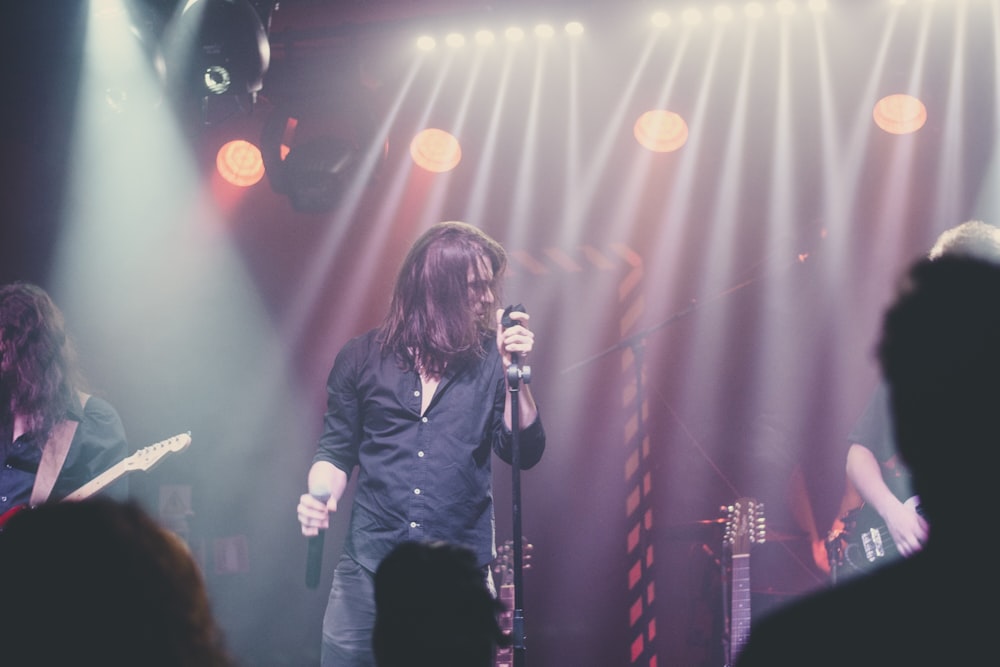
point(874, 428)
point(531, 438)
point(340, 441)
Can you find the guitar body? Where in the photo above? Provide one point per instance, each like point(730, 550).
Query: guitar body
point(864, 544)
point(503, 567)
point(144, 459)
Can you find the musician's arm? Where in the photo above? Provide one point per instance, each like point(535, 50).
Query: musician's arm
point(907, 527)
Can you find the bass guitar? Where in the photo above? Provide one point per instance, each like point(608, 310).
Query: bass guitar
point(865, 542)
point(144, 459)
point(745, 526)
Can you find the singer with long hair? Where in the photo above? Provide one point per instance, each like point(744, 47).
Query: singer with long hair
point(417, 406)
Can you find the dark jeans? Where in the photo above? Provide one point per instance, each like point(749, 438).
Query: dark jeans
point(350, 617)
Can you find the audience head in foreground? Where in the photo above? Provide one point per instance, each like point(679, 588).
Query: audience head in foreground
point(940, 355)
point(433, 608)
point(99, 582)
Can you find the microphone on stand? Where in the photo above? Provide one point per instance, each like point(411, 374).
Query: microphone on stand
point(314, 548)
point(514, 374)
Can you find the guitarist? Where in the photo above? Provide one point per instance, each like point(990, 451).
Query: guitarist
point(53, 437)
point(873, 467)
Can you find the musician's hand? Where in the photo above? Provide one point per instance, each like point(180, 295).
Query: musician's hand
point(908, 528)
point(516, 339)
point(314, 514)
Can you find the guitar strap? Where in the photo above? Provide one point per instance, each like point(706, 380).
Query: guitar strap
point(54, 456)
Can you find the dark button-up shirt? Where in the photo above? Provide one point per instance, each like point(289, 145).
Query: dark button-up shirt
point(99, 443)
point(420, 476)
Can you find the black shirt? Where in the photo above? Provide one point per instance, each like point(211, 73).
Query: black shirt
point(99, 443)
point(420, 477)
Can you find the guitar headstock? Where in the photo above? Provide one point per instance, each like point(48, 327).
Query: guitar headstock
point(745, 525)
point(147, 457)
point(503, 565)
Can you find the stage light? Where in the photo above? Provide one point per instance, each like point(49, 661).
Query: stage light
point(485, 37)
point(455, 40)
point(900, 114)
point(544, 31)
point(239, 162)
point(785, 7)
point(818, 6)
point(435, 150)
point(691, 17)
point(723, 13)
point(753, 10)
point(660, 131)
point(315, 149)
point(426, 43)
point(217, 47)
point(660, 19)
point(574, 28)
point(514, 34)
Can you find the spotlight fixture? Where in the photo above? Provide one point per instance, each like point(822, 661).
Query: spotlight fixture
point(436, 150)
point(314, 148)
point(485, 37)
point(239, 162)
point(661, 131)
point(900, 114)
point(544, 31)
point(514, 34)
point(217, 48)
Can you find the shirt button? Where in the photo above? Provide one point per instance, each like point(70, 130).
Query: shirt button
point(416, 392)
point(414, 524)
point(420, 454)
point(415, 491)
point(423, 419)
point(3, 499)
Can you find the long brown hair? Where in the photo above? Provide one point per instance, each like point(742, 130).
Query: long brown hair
point(38, 373)
point(433, 319)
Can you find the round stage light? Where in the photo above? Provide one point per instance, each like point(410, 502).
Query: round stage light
point(900, 114)
point(435, 150)
point(661, 131)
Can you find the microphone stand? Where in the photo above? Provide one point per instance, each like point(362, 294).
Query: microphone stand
point(515, 374)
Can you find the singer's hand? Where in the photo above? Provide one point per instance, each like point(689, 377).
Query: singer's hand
point(314, 514)
point(517, 339)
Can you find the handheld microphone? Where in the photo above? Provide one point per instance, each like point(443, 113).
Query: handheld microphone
point(514, 373)
point(314, 550)
point(506, 321)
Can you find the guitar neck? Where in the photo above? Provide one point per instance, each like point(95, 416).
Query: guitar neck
point(740, 611)
point(95, 485)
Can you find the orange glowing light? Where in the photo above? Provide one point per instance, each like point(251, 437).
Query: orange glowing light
point(900, 114)
point(435, 150)
point(240, 163)
point(661, 131)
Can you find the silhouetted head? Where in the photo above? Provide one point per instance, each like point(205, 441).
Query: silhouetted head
point(940, 353)
point(433, 609)
point(972, 238)
point(100, 583)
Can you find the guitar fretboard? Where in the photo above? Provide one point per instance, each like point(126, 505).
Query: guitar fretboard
point(740, 613)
